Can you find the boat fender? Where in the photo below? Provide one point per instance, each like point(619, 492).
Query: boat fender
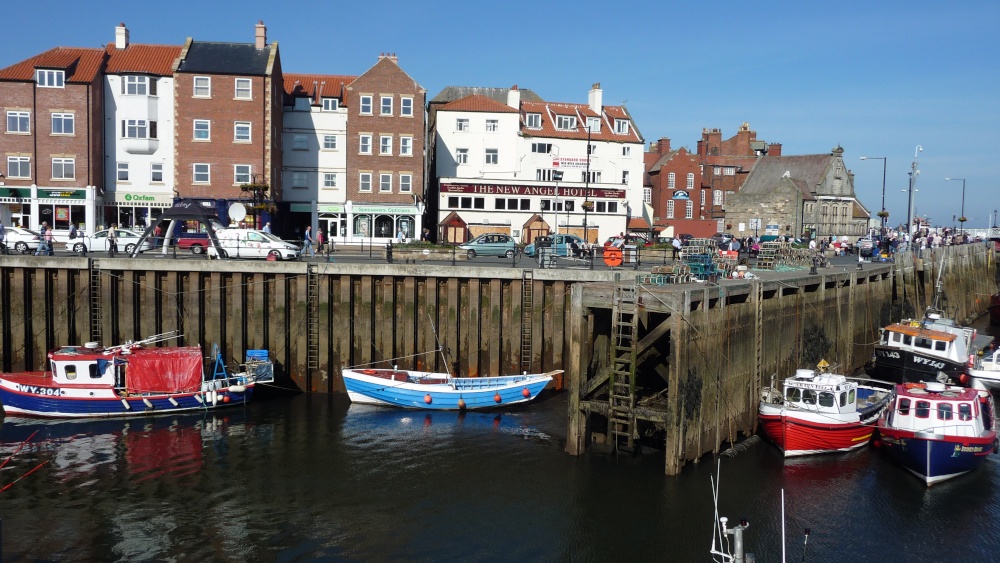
point(996, 445)
point(146, 402)
point(214, 397)
point(198, 398)
point(497, 397)
point(128, 407)
point(237, 388)
point(525, 393)
point(174, 401)
point(461, 404)
point(225, 398)
point(428, 399)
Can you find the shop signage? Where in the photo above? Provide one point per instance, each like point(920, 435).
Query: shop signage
point(62, 194)
point(570, 162)
point(390, 209)
point(335, 208)
point(16, 192)
point(507, 189)
point(141, 198)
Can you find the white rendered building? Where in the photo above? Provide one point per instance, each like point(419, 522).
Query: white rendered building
point(314, 151)
point(522, 168)
point(138, 131)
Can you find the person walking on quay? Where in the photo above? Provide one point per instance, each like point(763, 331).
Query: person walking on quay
point(112, 241)
point(308, 243)
point(320, 240)
point(49, 242)
point(42, 250)
point(267, 227)
point(676, 248)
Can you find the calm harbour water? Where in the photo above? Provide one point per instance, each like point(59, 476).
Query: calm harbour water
point(313, 478)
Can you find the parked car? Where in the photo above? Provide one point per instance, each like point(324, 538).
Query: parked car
point(722, 239)
point(98, 242)
point(21, 240)
point(197, 243)
point(562, 245)
point(490, 244)
point(251, 243)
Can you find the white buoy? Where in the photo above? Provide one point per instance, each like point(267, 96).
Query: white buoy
point(198, 398)
point(215, 397)
point(238, 388)
point(174, 402)
point(125, 403)
point(146, 402)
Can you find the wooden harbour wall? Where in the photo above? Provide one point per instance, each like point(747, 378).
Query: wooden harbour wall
point(705, 352)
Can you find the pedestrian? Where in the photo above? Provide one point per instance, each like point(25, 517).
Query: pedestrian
point(425, 236)
point(156, 235)
point(267, 227)
point(319, 241)
point(308, 241)
point(3, 239)
point(676, 247)
point(72, 231)
point(42, 250)
point(49, 243)
point(401, 236)
point(112, 240)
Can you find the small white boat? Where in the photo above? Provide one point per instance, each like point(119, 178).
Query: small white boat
point(985, 372)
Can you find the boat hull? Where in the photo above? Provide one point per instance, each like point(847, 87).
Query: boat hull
point(934, 458)
point(798, 437)
point(473, 392)
point(904, 366)
point(47, 402)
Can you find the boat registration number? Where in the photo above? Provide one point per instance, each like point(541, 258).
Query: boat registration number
point(928, 362)
point(36, 390)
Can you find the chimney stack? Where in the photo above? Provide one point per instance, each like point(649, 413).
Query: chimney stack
point(260, 34)
point(514, 97)
point(595, 98)
point(121, 36)
point(663, 145)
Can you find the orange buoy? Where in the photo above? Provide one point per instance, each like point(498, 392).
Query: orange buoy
point(525, 393)
point(497, 397)
point(225, 399)
point(461, 404)
point(613, 256)
point(428, 399)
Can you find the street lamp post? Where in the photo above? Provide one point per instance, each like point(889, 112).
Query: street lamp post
point(961, 218)
point(586, 197)
point(913, 181)
point(882, 214)
point(557, 175)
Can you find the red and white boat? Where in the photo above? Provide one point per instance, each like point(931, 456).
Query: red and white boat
point(817, 412)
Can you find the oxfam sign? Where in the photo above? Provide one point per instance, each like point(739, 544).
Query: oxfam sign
point(138, 198)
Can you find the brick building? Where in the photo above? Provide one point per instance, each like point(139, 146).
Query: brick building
point(229, 100)
point(678, 197)
point(51, 143)
point(386, 138)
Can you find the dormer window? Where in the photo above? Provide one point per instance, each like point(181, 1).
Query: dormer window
point(565, 122)
point(594, 124)
point(50, 78)
point(331, 104)
point(533, 121)
point(621, 126)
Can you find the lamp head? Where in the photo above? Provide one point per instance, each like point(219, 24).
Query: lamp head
point(864, 158)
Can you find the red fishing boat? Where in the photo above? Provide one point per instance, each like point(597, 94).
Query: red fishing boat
point(818, 412)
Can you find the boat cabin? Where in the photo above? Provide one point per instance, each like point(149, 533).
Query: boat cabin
point(82, 365)
point(914, 337)
point(935, 407)
point(821, 392)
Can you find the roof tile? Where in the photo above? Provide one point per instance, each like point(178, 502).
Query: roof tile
point(82, 65)
point(157, 60)
point(478, 102)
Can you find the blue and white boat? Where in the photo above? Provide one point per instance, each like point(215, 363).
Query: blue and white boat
point(132, 379)
point(939, 431)
point(440, 391)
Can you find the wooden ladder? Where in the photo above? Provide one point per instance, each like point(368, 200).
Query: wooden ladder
point(621, 419)
point(95, 300)
point(527, 301)
point(312, 317)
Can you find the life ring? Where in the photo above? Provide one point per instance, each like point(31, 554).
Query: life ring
point(912, 385)
point(368, 371)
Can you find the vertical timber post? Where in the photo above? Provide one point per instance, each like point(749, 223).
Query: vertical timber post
point(576, 427)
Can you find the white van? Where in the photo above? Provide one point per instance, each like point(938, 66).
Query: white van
point(250, 243)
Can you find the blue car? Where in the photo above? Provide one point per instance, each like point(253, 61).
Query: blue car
point(562, 245)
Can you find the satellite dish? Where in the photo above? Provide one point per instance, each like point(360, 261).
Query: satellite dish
point(237, 212)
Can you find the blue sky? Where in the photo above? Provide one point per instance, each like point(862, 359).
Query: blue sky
point(877, 78)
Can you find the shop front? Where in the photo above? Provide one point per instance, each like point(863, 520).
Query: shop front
point(30, 206)
point(382, 223)
point(132, 210)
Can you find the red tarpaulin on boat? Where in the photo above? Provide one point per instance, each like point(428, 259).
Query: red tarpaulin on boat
point(164, 370)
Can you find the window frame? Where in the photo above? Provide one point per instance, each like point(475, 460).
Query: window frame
point(365, 100)
point(63, 119)
point(300, 142)
point(62, 162)
point(21, 118)
point(329, 180)
point(565, 122)
point(300, 180)
point(119, 168)
point(405, 183)
point(364, 143)
point(492, 125)
point(671, 180)
point(153, 172)
point(461, 156)
point(406, 106)
point(248, 89)
point(491, 157)
point(385, 145)
point(201, 83)
point(405, 145)
point(195, 173)
point(365, 178)
point(533, 120)
point(237, 126)
point(385, 179)
point(208, 129)
point(462, 124)
point(383, 109)
point(331, 104)
point(20, 161)
point(329, 142)
point(621, 127)
point(136, 82)
point(248, 174)
point(53, 78)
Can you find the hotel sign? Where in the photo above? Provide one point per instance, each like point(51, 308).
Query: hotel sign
point(551, 191)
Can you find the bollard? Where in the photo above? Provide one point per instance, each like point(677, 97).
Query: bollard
point(388, 252)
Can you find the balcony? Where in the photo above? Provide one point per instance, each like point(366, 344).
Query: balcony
point(140, 146)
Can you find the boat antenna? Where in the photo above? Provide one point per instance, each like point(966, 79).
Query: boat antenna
point(148, 340)
point(440, 348)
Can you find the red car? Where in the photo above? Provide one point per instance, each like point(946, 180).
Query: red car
point(196, 242)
